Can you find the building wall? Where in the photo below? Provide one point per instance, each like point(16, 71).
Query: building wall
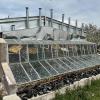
point(20, 23)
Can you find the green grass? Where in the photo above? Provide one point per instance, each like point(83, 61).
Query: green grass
point(86, 93)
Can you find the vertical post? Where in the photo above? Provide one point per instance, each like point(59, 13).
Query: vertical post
point(27, 17)
point(51, 14)
point(40, 17)
point(62, 21)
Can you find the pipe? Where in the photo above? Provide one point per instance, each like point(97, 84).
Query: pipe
point(76, 27)
point(12, 27)
point(45, 20)
point(69, 22)
point(27, 17)
point(40, 17)
point(51, 14)
point(82, 29)
point(62, 21)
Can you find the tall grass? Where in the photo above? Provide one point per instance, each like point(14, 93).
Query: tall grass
point(86, 93)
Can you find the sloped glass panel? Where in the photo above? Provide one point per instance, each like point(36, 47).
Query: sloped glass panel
point(85, 61)
point(63, 64)
point(39, 68)
point(48, 67)
point(19, 74)
point(80, 62)
point(90, 60)
point(74, 62)
point(32, 74)
point(68, 63)
point(56, 66)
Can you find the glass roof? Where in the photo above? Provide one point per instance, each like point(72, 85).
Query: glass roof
point(31, 62)
point(30, 71)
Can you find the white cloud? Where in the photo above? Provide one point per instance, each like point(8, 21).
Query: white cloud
point(86, 11)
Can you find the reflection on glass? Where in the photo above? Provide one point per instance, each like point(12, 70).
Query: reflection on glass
point(40, 52)
point(63, 64)
point(74, 50)
point(60, 50)
point(75, 63)
point(39, 68)
point(70, 48)
point(32, 52)
point(86, 49)
point(48, 51)
point(82, 49)
point(85, 61)
point(48, 67)
point(32, 74)
point(54, 50)
point(13, 51)
point(68, 63)
point(93, 48)
point(65, 50)
point(78, 60)
point(78, 49)
point(19, 74)
point(56, 66)
point(23, 53)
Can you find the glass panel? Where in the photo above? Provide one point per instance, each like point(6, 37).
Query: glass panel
point(32, 74)
point(48, 67)
point(40, 52)
point(13, 51)
point(86, 49)
point(93, 49)
point(48, 51)
point(63, 64)
point(74, 50)
point(23, 53)
point(32, 52)
point(68, 63)
point(19, 73)
point(82, 49)
point(54, 50)
point(89, 59)
point(79, 50)
point(39, 68)
point(70, 48)
point(60, 50)
point(80, 62)
point(85, 61)
point(75, 63)
point(65, 50)
point(56, 66)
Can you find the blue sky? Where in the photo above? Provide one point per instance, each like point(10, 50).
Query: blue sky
point(85, 11)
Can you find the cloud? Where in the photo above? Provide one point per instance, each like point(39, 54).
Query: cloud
point(86, 11)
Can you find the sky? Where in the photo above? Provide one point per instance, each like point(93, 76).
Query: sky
point(85, 11)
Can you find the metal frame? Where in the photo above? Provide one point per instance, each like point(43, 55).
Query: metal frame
point(82, 57)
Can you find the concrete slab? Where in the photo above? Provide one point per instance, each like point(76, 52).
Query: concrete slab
point(11, 97)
